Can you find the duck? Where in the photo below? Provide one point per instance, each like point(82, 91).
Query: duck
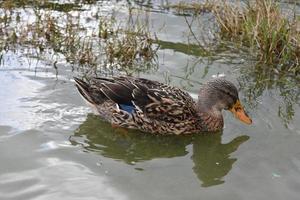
point(154, 107)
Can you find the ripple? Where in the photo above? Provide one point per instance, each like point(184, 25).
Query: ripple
point(11, 107)
point(52, 145)
point(57, 179)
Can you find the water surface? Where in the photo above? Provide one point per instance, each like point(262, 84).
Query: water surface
point(52, 147)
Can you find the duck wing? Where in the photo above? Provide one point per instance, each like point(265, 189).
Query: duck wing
point(153, 99)
point(162, 102)
point(99, 90)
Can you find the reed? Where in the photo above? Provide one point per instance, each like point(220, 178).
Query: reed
point(258, 24)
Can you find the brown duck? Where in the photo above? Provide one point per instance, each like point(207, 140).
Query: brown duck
point(155, 107)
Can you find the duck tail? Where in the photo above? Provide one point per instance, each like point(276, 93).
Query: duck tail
point(84, 89)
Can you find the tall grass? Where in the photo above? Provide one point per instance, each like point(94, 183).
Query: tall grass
point(260, 25)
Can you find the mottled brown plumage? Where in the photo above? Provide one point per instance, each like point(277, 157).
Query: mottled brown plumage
point(156, 107)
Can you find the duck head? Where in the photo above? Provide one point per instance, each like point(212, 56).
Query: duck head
point(219, 94)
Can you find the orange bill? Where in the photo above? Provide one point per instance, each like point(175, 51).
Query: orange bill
point(240, 113)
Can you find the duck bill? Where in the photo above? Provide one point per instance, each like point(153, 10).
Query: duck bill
point(239, 112)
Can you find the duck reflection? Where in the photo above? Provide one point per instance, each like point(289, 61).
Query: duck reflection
point(211, 158)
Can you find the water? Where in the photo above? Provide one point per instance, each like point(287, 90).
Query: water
point(52, 147)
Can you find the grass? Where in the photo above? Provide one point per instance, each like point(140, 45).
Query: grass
point(130, 48)
point(260, 25)
point(123, 45)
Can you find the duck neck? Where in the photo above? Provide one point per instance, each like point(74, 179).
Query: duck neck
point(210, 115)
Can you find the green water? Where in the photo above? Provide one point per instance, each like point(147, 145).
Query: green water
point(52, 147)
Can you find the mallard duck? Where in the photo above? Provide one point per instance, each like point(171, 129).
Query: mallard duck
point(154, 107)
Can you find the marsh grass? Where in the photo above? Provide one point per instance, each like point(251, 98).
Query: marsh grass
point(123, 45)
point(131, 47)
point(260, 25)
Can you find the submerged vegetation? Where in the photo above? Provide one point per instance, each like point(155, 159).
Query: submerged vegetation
point(271, 35)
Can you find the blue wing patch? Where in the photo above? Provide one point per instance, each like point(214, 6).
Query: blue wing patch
point(127, 108)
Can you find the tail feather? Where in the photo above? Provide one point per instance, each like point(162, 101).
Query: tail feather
point(84, 90)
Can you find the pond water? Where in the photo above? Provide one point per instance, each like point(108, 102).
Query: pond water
point(52, 147)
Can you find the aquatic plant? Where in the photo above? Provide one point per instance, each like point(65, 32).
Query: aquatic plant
point(123, 45)
point(131, 48)
point(257, 83)
point(272, 37)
